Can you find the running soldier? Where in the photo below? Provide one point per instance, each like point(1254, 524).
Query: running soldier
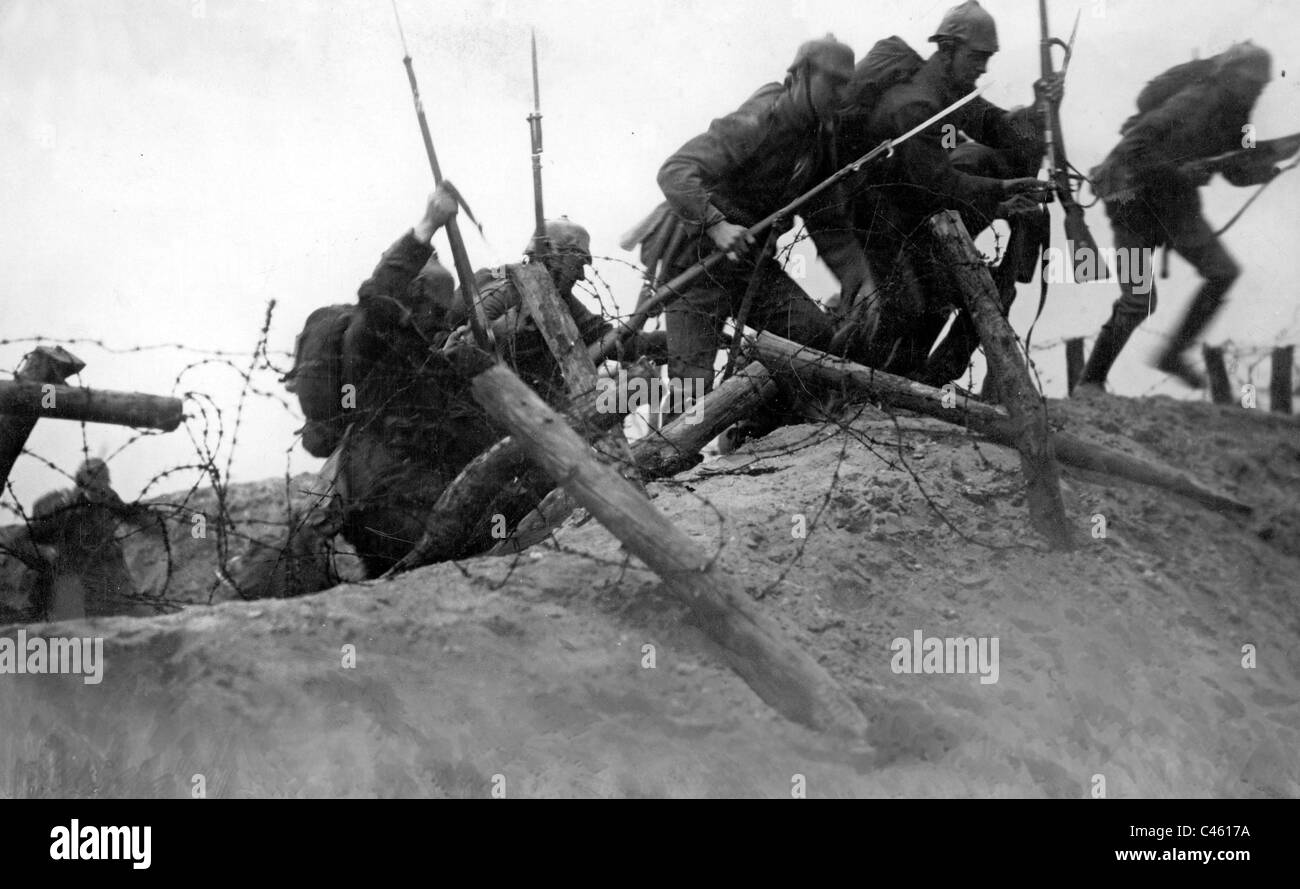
point(1188, 116)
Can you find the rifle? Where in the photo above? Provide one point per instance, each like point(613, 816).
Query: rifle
point(1059, 167)
point(653, 303)
point(535, 132)
point(1264, 155)
point(464, 271)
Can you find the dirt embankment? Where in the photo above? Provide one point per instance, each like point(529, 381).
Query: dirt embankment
point(530, 675)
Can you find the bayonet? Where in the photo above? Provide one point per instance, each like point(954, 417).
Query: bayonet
point(464, 271)
point(535, 132)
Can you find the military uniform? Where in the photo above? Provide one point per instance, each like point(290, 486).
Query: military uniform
point(1153, 200)
point(415, 424)
point(747, 165)
point(897, 325)
point(89, 576)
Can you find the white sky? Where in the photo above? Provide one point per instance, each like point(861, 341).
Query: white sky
point(171, 165)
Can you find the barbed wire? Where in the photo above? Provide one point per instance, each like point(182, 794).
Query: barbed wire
point(240, 529)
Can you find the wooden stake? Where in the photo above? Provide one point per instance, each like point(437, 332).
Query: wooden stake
point(1015, 389)
point(1220, 387)
point(662, 453)
point(810, 365)
point(1280, 387)
point(44, 364)
point(35, 400)
point(780, 673)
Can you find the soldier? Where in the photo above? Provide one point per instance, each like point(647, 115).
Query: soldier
point(88, 576)
point(746, 166)
point(565, 252)
point(1150, 184)
point(414, 425)
point(988, 177)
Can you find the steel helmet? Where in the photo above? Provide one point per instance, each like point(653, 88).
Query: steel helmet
point(825, 54)
point(1250, 61)
point(563, 236)
point(970, 24)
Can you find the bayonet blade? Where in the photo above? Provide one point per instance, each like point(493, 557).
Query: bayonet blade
point(537, 91)
point(1069, 47)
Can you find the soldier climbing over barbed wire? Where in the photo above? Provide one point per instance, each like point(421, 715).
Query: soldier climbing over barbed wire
point(392, 411)
point(748, 164)
point(979, 162)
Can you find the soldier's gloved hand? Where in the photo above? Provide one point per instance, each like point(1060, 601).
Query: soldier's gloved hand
point(1051, 89)
point(731, 239)
point(1037, 189)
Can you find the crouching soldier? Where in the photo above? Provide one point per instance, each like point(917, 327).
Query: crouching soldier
point(406, 424)
point(565, 252)
point(88, 575)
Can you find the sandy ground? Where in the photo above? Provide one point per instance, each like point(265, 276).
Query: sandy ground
point(529, 676)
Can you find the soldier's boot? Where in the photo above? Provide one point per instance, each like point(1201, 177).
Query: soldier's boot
point(1110, 342)
point(1199, 315)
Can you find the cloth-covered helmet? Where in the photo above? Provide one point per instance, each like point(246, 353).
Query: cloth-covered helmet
point(825, 54)
point(971, 24)
point(563, 235)
point(1250, 61)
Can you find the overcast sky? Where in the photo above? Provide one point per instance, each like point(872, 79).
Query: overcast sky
point(169, 166)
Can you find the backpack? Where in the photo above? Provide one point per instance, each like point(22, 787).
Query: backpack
point(1165, 86)
point(320, 370)
point(890, 62)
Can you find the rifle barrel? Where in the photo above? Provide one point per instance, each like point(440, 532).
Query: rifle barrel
point(460, 258)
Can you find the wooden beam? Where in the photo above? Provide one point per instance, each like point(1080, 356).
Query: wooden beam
point(781, 673)
point(1217, 371)
point(44, 364)
point(542, 303)
point(811, 366)
point(1015, 388)
point(1280, 387)
point(453, 528)
point(35, 400)
point(663, 452)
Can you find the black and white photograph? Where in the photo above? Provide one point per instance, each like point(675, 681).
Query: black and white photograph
point(727, 399)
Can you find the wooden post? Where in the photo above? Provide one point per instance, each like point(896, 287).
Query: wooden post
point(34, 400)
point(1220, 387)
point(1280, 387)
point(810, 365)
point(452, 526)
point(780, 673)
point(662, 452)
point(1073, 362)
point(552, 317)
point(1016, 390)
point(44, 364)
